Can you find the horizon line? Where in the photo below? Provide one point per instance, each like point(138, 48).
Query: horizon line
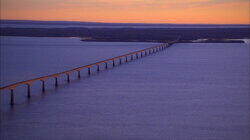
point(122, 22)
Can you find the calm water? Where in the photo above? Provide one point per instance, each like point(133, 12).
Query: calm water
point(188, 92)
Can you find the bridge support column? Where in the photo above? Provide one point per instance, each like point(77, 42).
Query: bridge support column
point(89, 72)
point(98, 68)
point(132, 57)
point(120, 61)
point(141, 54)
point(113, 62)
point(126, 58)
point(43, 85)
point(28, 90)
point(56, 81)
point(106, 65)
point(137, 56)
point(79, 74)
point(68, 78)
point(12, 101)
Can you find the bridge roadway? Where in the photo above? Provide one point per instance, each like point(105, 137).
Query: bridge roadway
point(143, 52)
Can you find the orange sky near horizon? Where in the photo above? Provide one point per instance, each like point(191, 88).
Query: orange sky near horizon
point(130, 11)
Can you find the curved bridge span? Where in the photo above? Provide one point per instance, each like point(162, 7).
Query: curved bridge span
point(130, 56)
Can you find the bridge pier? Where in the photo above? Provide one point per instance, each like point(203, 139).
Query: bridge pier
point(43, 85)
point(126, 58)
point(79, 74)
point(28, 91)
point(137, 56)
point(89, 72)
point(98, 68)
point(12, 100)
point(113, 62)
point(68, 78)
point(132, 57)
point(106, 65)
point(56, 81)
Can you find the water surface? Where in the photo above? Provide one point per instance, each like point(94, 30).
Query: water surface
point(190, 91)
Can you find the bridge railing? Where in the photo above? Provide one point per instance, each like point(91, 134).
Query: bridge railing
point(136, 54)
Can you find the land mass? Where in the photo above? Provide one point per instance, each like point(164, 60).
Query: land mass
point(125, 32)
point(134, 34)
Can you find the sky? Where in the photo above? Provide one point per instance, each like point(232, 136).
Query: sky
point(130, 11)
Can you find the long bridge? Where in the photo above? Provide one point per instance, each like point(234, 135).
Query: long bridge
point(130, 56)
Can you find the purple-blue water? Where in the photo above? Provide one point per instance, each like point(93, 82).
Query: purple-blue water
point(187, 92)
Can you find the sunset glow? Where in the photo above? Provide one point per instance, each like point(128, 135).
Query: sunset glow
point(129, 11)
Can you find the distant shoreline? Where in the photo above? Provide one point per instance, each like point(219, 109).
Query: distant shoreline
point(160, 35)
point(80, 24)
